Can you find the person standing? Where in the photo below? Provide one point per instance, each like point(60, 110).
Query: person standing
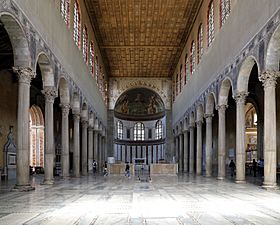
point(127, 170)
point(232, 167)
point(254, 167)
point(105, 169)
point(94, 167)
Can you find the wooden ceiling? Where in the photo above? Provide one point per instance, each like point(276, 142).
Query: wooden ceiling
point(142, 38)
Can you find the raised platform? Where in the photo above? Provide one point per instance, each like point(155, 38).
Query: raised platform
point(164, 169)
point(119, 168)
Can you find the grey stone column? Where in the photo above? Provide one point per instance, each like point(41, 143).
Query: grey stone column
point(209, 142)
point(186, 150)
point(181, 158)
point(50, 94)
point(177, 149)
point(84, 147)
point(100, 151)
point(270, 149)
point(240, 136)
point(95, 136)
point(65, 139)
point(191, 159)
point(76, 152)
point(199, 147)
point(222, 142)
point(22, 160)
point(90, 148)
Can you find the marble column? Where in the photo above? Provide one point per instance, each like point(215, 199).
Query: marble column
point(84, 147)
point(90, 148)
point(199, 147)
point(22, 160)
point(191, 159)
point(100, 151)
point(186, 150)
point(181, 157)
point(270, 149)
point(76, 151)
point(209, 141)
point(222, 142)
point(177, 149)
point(50, 94)
point(95, 137)
point(65, 139)
point(240, 136)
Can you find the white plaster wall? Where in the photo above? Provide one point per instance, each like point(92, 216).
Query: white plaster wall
point(46, 20)
point(245, 21)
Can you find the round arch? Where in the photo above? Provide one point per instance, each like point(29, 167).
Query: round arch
point(210, 103)
point(272, 56)
point(64, 93)
point(244, 73)
point(224, 91)
point(199, 113)
point(21, 52)
point(46, 69)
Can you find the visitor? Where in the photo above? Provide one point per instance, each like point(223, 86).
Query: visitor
point(232, 167)
point(127, 170)
point(261, 166)
point(105, 169)
point(94, 167)
point(254, 167)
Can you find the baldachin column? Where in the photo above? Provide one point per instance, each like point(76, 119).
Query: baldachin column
point(25, 75)
point(50, 94)
point(240, 136)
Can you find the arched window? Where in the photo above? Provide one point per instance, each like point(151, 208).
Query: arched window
point(177, 83)
point(210, 23)
point(139, 132)
point(85, 44)
point(65, 11)
point(159, 130)
point(119, 130)
point(181, 77)
point(199, 43)
point(192, 58)
point(91, 58)
point(77, 24)
point(186, 69)
point(224, 11)
point(96, 70)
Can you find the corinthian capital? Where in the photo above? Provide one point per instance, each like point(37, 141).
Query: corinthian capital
point(65, 109)
point(268, 78)
point(240, 97)
point(50, 94)
point(25, 74)
point(222, 108)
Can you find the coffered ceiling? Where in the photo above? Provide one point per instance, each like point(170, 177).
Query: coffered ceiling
point(142, 38)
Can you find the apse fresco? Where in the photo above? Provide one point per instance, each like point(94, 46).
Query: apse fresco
point(139, 103)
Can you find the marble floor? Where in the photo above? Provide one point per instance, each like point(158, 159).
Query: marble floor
point(118, 200)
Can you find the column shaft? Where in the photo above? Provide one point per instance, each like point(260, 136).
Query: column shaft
point(191, 160)
point(84, 147)
point(76, 152)
point(209, 145)
point(22, 160)
point(50, 94)
point(181, 157)
point(199, 148)
point(186, 149)
point(65, 140)
point(222, 142)
point(240, 137)
point(95, 157)
point(90, 148)
point(270, 148)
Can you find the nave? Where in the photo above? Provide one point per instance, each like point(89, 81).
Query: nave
point(117, 200)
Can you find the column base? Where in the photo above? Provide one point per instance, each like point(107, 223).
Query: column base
point(208, 175)
point(23, 188)
point(47, 182)
point(240, 182)
point(220, 178)
point(272, 186)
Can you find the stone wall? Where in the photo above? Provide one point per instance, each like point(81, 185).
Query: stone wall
point(8, 108)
